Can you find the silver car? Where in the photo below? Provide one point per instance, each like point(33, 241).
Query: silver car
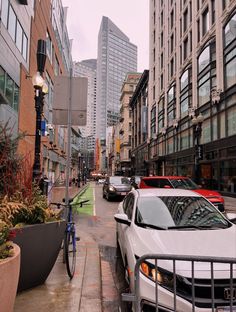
point(116, 186)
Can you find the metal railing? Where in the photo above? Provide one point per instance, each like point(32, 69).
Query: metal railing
point(226, 285)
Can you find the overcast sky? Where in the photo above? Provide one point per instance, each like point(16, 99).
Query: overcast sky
point(84, 19)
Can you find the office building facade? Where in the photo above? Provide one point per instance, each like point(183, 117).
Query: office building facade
point(192, 90)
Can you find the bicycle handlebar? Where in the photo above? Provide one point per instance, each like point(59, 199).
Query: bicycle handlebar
point(65, 205)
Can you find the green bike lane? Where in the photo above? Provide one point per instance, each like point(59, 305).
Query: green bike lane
point(87, 208)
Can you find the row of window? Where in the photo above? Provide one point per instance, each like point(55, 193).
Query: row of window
point(9, 89)
point(16, 31)
point(215, 126)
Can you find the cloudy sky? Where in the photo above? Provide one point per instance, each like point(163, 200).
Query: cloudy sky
point(84, 19)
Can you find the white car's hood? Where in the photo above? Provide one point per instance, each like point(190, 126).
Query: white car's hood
point(212, 243)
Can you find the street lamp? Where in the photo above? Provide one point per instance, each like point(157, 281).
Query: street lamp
point(197, 131)
point(41, 89)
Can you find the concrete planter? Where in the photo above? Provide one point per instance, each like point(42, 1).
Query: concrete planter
point(9, 276)
point(40, 245)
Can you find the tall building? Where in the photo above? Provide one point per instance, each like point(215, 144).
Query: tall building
point(116, 57)
point(127, 91)
point(88, 69)
point(192, 90)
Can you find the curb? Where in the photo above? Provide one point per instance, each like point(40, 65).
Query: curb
point(91, 288)
point(109, 292)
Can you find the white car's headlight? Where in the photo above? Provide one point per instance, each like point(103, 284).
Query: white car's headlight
point(163, 277)
point(111, 188)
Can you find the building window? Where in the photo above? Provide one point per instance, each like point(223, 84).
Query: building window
point(49, 46)
point(14, 28)
point(229, 31)
point(153, 120)
point(205, 22)
point(161, 61)
point(154, 55)
point(19, 35)
point(12, 23)
point(130, 126)
point(171, 43)
point(172, 67)
point(185, 26)
point(185, 93)
point(206, 73)
point(230, 52)
point(161, 114)
point(213, 12)
point(198, 30)
point(185, 48)
point(171, 19)
point(190, 11)
point(204, 59)
point(9, 89)
point(170, 105)
point(161, 19)
point(161, 82)
point(161, 39)
point(4, 13)
point(230, 68)
point(154, 73)
point(153, 93)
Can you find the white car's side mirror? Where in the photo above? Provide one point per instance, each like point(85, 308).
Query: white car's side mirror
point(122, 218)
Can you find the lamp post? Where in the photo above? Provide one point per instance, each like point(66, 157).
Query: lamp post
point(197, 132)
point(40, 90)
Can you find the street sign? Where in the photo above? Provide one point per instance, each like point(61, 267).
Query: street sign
point(74, 89)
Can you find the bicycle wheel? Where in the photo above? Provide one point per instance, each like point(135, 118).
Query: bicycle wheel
point(70, 251)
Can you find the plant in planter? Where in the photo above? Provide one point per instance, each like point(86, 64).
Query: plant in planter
point(9, 268)
point(39, 229)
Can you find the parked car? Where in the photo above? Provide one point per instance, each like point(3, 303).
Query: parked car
point(176, 222)
point(180, 182)
point(115, 186)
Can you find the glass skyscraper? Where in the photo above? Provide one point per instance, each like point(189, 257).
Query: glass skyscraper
point(116, 57)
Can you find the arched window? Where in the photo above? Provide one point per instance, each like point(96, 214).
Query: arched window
point(204, 59)
point(185, 93)
point(206, 73)
point(184, 80)
point(230, 31)
point(230, 52)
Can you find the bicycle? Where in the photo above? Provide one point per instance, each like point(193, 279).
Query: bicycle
point(69, 246)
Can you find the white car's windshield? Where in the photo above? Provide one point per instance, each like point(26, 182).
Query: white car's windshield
point(169, 212)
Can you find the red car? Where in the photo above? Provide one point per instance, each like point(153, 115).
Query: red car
point(182, 183)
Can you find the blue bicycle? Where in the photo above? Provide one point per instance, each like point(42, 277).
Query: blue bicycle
point(69, 245)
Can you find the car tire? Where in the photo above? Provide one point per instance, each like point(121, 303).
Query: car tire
point(103, 195)
point(107, 197)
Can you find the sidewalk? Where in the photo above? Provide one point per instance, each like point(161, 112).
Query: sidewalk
point(58, 294)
